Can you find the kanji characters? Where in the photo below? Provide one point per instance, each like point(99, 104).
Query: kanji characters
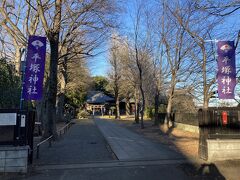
point(226, 80)
point(226, 90)
point(36, 57)
point(34, 71)
point(33, 79)
point(226, 69)
point(35, 68)
point(32, 90)
point(226, 60)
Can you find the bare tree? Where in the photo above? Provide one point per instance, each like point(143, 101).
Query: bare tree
point(19, 21)
point(199, 35)
point(52, 31)
point(115, 74)
point(141, 53)
point(78, 22)
point(89, 28)
point(173, 37)
point(218, 7)
point(130, 81)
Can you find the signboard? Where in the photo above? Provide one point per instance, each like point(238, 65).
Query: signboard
point(226, 75)
point(8, 119)
point(34, 72)
point(23, 120)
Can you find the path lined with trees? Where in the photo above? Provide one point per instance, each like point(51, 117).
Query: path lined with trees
point(164, 50)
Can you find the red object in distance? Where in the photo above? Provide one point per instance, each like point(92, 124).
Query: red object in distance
point(224, 118)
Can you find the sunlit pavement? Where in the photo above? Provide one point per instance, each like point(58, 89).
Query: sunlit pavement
point(128, 145)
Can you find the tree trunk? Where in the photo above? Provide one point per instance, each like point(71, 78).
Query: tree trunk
point(41, 108)
point(127, 106)
point(53, 37)
point(169, 110)
point(52, 87)
point(61, 94)
point(60, 107)
point(136, 107)
point(39, 111)
point(204, 75)
point(143, 106)
point(170, 101)
point(18, 57)
point(41, 114)
point(205, 104)
point(168, 118)
point(156, 107)
point(117, 115)
point(17, 60)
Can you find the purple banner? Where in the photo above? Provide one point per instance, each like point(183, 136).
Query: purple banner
point(34, 72)
point(226, 75)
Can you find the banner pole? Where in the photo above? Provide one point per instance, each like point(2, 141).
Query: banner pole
point(23, 67)
point(215, 56)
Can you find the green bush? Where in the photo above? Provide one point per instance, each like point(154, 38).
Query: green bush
point(82, 114)
point(149, 112)
point(10, 86)
point(162, 108)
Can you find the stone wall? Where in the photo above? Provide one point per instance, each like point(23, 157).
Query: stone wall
point(187, 127)
point(13, 159)
point(223, 149)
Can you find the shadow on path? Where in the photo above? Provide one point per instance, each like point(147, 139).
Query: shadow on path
point(82, 143)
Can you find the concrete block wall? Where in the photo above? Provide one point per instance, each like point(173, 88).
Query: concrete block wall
point(13, 159)
point(223, 149)
point(187, 127)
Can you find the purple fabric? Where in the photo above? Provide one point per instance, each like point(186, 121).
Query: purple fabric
point(226, 75)
point(34, 72)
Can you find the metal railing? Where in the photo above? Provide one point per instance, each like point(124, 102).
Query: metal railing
point(60, 132)
point(64, 129)
point(49, 140)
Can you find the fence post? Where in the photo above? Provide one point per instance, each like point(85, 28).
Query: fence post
point(37, 152)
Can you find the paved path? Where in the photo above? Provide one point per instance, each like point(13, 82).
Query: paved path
point(82, 143)
point(138, 172)
point(128, 145)
point(83, 155)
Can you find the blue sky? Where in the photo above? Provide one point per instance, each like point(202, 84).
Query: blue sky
point(99, 64)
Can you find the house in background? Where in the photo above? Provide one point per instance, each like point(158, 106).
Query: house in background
point(127, 107)
point(98, 103)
